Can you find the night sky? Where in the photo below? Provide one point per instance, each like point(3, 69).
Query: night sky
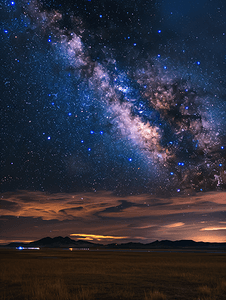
point(113, 120)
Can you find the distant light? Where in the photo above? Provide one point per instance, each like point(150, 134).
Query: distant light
point(182, 164)
point(12, 3)
point(130, 159)
point(165, 67)
point(179, 163)
point(220, 165)
point(178, 190)
point(89, 149)
point(128, 37)
point(186, 90)
point(201, 190)
point(49, 95)
point(145, 86)
point(49, 138)
point(134, 44)
point(222, 147)
point(49, 40)
point(101, 132)
point(171, 173)
point(186, 107)
point(91, 131)
point(82, 141)
point(101, 16)
point(159, 31)
point(6, 31)
point(43, 133)
point(52, 103)
point(159, 55)
point(29, 248)
point(171, 143)
point(69, 114)
point(198, 63)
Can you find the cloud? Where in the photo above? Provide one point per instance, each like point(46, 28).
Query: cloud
point(124, 205)
point(62, 206)
point(178, 224)
point(71, 209)
point(133, 218)
point(9, 205)
point(213, 228)
point(97, 237)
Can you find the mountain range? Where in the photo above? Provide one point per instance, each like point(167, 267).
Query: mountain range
point(66, 242)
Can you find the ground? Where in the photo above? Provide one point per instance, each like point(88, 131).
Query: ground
point(82, 275)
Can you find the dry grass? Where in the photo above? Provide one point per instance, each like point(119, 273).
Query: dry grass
point(221, 287)
point(211, 293)
point(154, 295)
point(84, 275)
point(38, 290)
point(205, 292)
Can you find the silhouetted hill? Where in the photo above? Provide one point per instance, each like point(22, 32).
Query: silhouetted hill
point(56, 242)
point(166, 244)
point(62, 242)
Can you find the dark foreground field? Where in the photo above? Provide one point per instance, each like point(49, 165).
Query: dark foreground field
point(83, 275)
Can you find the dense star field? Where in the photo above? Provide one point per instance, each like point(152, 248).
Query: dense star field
point(123, 98)
point(113, 95)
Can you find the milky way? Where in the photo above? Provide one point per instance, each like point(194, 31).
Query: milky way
point(106, 97)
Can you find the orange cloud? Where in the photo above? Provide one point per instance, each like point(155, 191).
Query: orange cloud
point(178, 224)
point(69, 206)
point(97, 237)
point(213, 228)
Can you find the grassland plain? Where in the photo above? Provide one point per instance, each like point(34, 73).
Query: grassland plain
point(85, 275)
